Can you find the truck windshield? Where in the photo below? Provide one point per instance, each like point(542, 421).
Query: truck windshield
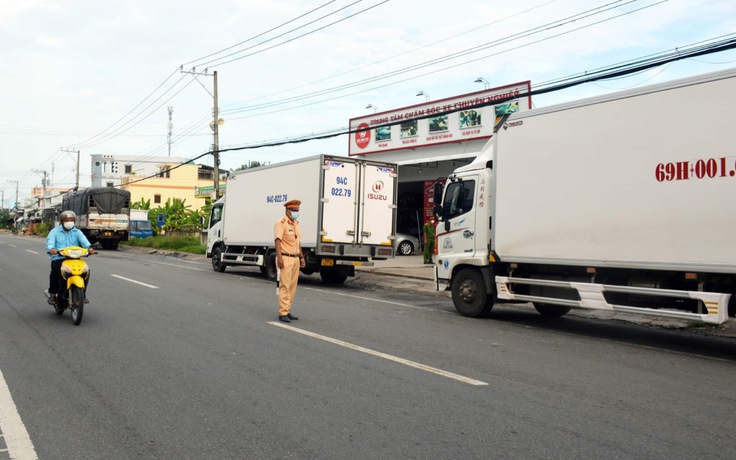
point(143, 226)
point(458, 199)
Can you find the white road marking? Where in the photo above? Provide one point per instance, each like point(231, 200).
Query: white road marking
point(18, 442)
point(172, 265)
point(395, 359)
point(400, 304)
point(12, 245)
point(32, 252)
point(134, 281)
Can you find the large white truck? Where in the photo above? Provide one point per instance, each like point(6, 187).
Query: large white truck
point(347, 216)
point(623, 202)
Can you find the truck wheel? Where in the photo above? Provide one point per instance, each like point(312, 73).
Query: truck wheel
point(271, 266)
point(332, 276)
point(114, 245)
point(217, 264)
point(552, 311)
point(469, 294)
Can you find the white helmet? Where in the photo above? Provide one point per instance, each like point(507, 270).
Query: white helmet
point(69, 214)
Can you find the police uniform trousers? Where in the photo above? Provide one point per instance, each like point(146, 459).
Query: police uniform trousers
point(287, 284)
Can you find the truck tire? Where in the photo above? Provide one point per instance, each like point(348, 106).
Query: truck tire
point(469, 294)
point(114, 245)
point(332, 276)
point(271, 266)
point(217, 264)
point(551, 311)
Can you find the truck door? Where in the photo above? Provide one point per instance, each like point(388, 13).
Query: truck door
point(456, 236)
point(378, 188)
point(340, 195)
point(214, 233)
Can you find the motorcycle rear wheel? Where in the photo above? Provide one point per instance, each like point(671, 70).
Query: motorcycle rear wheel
point(76, 304)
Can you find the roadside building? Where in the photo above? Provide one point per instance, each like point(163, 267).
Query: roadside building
point(430, 140)
point(171, 182)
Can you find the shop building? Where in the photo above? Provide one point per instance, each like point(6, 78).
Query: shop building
point(428, 141)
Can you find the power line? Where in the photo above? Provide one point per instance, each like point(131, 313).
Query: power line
point(607, 73)
point(449, 57)
point(295, 38)
point(258, 35)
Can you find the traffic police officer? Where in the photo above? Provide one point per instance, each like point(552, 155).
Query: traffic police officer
point(289, 257)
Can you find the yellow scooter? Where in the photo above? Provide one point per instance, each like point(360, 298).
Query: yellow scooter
point(75, 273)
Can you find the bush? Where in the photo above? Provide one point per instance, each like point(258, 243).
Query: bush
point(174, 243)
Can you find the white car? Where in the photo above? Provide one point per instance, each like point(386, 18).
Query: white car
point(405, 244)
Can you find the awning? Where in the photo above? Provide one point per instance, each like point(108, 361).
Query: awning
point(455, 156)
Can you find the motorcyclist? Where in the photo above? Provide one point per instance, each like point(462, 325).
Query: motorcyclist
point(60, 237)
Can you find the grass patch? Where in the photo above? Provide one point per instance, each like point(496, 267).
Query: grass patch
point(189, 244)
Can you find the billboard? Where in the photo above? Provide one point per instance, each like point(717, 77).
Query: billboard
point(455, 119)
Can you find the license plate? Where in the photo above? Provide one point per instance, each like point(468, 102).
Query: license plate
point(357, 264)
point(328, 262)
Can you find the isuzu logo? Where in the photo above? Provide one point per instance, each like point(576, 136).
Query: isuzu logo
point(377, 189)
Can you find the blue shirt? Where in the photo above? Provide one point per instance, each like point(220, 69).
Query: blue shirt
point(59, 239)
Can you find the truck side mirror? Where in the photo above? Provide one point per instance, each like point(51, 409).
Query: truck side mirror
point(437, 192)
point(437, 211)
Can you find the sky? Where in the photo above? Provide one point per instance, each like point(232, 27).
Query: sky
point(99, 77)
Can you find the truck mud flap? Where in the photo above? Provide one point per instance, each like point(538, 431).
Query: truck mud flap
point(593, 296)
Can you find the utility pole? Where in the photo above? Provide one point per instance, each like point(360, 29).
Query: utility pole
point(43, 184)
point(16, 192)
point(171, 127)
point(215, 125)
point(72, 151)
point(216, 149)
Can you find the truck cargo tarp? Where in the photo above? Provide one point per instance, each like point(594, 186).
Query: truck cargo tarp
point(108, 200)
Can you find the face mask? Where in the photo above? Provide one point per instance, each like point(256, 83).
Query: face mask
point(68, 225)
point(294, 215)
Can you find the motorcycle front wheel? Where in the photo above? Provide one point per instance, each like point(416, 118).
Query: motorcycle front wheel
point(76, 304)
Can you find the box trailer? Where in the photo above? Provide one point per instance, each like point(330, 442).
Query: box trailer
point(347, 216)
point(622, 202)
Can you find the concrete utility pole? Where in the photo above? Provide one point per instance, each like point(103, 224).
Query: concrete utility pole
point(72, 151)
point(215, 125)
point(216, 148)
point(16, 192)
point(43, 184)
point(171, 127)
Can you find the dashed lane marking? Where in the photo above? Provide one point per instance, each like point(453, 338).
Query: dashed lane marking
point(396, 359)
point(134, 281)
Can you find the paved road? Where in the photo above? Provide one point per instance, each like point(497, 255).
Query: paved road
point(174, 360)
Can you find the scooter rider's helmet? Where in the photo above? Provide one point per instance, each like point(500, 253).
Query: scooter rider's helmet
point(69, 214)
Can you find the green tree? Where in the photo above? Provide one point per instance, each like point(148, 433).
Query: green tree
point(179, 216)
point(251, 165)
point(5, 219)
point(142, 204)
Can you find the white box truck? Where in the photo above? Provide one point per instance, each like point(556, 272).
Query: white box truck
point(623, 202)
point(347, 216)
